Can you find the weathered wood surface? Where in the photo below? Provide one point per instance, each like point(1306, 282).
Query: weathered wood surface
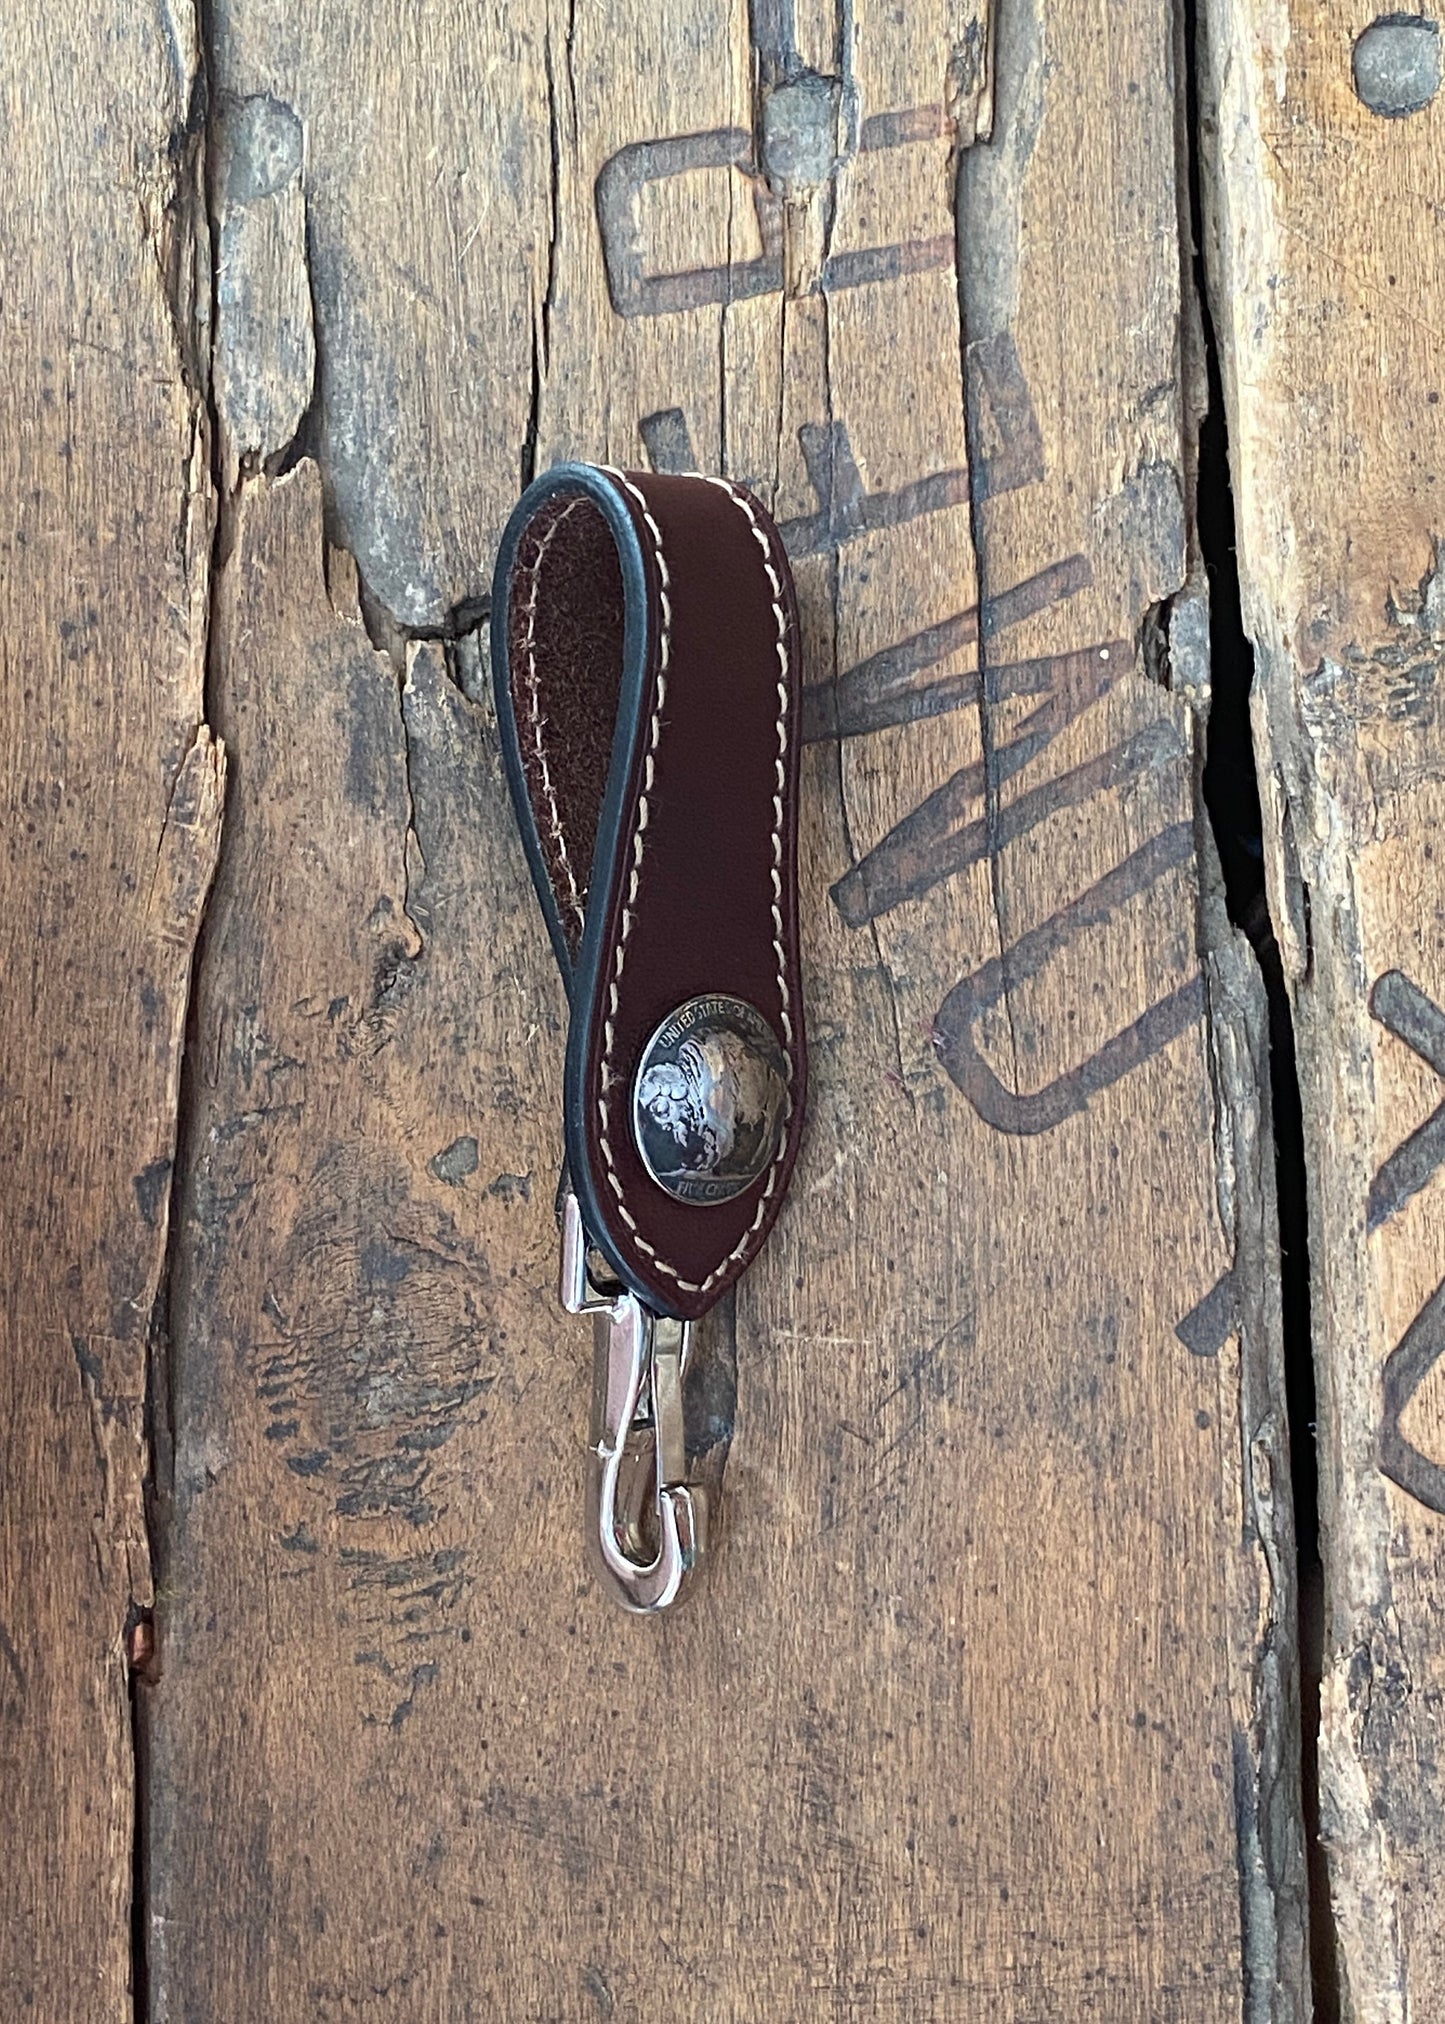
point(110, 793)
point(1330, 269)
point(986, 1710)
point(968, 1722)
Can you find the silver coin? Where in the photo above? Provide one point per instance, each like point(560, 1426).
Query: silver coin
point(710, 1099)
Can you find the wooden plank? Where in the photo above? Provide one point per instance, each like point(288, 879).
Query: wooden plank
point(984, 1710)
point(1326, 193)
point(109, 810)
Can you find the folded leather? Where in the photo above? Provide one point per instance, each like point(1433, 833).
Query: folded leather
point(645, 659)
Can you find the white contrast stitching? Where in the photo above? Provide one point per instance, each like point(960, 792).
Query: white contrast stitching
point(608, 1078)
point(529, 645)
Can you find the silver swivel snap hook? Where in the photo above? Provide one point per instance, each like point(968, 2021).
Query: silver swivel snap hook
point(646, 1525)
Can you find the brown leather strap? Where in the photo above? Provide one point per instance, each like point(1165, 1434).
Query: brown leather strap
point(645, 648)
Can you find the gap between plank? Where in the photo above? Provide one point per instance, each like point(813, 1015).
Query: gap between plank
point(1232, 802)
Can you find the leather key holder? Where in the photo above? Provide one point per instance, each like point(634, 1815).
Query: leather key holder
point(646, 664)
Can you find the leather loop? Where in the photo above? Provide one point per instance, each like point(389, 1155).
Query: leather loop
point(645, 657)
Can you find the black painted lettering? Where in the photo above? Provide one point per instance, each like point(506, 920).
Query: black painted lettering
point(940, 838)
point(1403, 1009)
point(1407, 1366)
point(893, 686)
point(1041, 1110)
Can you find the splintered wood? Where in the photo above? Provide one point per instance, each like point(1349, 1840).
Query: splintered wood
point(1326, 190)
point(111, 798)
point(986, 1708)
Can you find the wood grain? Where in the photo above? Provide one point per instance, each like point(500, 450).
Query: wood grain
point(1328, 271)
point(109, 809)
point(985, 1709)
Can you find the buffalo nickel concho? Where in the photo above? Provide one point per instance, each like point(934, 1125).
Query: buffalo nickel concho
point(710, 1099)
